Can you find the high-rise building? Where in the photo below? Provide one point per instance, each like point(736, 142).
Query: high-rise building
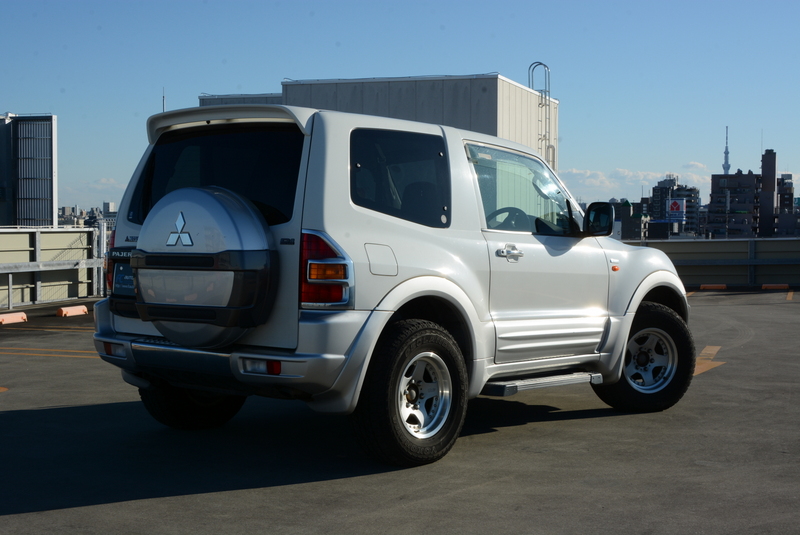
point(28, 170)
point(789, 209)
point(747, 205)
point(661, 193)
point(786, 194)
point(768, 196)
point(668, 190)
point(733, 210)
point(691, 195)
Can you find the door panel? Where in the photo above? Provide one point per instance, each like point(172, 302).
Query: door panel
point(552, 301)
point(549, 287)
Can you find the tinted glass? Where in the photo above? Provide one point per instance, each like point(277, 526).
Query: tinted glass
point(402, 174)
point(259, 162)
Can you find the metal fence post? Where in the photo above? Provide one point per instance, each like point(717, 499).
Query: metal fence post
point(37, 276)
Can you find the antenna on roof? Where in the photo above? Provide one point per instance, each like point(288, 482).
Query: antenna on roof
point(726, 166)
point(163, 100)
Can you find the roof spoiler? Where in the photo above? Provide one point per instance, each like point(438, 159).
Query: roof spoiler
point(162, 122)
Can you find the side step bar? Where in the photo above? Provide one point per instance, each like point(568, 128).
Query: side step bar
point(509, 388)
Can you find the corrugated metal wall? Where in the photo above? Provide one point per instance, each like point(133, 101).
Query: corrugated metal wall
point(521, 117)
point(34, 150)
point(469, 102)
point(486, 103)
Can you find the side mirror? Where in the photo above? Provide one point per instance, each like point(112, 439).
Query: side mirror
point(599, 219)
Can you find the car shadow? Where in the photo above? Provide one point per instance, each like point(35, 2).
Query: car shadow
point(64, 457)
point(487, 415)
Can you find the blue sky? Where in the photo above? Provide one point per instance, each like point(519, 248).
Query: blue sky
point(645, 87)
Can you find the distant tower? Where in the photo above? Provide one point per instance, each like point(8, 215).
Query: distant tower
point(726, 167)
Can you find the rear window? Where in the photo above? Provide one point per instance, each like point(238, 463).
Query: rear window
point(260, 162)
point(403, 174)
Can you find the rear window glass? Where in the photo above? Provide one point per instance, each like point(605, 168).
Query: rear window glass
point(403, 174)
point(259, 162)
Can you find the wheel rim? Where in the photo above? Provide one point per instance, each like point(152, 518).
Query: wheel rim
point(651, 360)
point(424, 395)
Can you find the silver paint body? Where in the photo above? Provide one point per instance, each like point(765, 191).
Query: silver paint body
point(557, 307)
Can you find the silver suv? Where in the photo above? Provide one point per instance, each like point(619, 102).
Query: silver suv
point(381, 268)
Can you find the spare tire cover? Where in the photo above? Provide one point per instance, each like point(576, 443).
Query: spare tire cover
point(202, 267)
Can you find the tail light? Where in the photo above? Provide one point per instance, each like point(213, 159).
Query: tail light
point(326, 274)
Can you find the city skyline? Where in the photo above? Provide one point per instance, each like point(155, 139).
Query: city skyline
point(644, 89)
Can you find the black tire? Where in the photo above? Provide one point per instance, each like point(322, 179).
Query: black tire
point(182, 408)
point(658, 363)
point(414, 398)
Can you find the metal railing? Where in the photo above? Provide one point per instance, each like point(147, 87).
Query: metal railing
point(41, 265)
point(45, 264)
point(734, 262)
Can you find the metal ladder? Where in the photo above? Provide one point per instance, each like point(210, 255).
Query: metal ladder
point(545, 147)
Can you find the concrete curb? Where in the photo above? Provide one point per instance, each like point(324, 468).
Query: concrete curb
point(51, 309)
point(774, 286)
point(72, 311)
point(13, 317)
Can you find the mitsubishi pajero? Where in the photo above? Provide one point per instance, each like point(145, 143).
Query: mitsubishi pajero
point(381, 268)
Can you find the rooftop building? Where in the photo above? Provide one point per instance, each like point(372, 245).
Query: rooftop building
point(486, 103)
point(28, 170)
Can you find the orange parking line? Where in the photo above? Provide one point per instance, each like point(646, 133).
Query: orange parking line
point(46, 355)
point(62, 327)
point(705, 360)
point(44, 352)
point(43, 349)
point(54, 330)
point(789, 296)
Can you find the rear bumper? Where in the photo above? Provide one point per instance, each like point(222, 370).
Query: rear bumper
point(309, 372)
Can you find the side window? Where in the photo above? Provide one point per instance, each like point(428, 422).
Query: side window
point(519, 192)
point(402, 174)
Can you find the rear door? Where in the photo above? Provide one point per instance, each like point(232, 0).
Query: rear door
point(262, 161)
point(549, 288)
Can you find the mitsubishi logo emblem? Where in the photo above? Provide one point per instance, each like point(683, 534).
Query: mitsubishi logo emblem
point(184, 237)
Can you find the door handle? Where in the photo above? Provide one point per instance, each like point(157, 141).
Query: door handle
point(510, 252)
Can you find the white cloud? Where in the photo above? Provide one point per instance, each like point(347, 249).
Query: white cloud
point(589, 186)
point(700, 181)
point(589, 178)
point(697, 166)
point(637, 178)
point(90, 194)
